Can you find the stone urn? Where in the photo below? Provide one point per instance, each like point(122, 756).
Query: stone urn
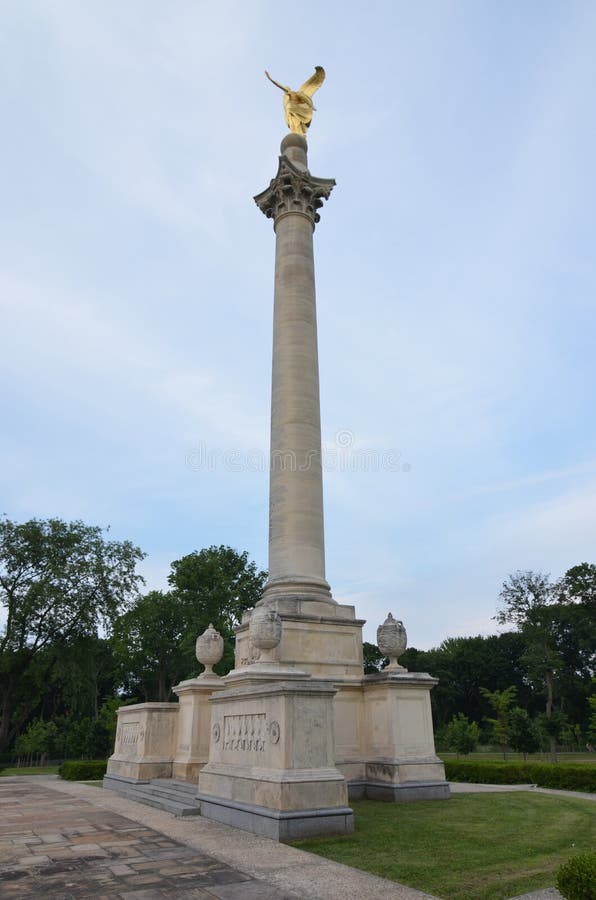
point(392, 640)
point(265, 632)
point(209, 650)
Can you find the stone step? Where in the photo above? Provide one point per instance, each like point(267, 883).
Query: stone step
point(181, 789)
point(173, 798)
point(165, 803)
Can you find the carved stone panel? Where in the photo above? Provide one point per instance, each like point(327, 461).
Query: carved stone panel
point(128, 736)
point(245, 732)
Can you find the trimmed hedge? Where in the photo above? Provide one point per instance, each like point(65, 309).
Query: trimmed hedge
point(576, 879)
point(83, 769)
point(561, 776)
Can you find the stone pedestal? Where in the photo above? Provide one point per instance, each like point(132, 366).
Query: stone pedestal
point(194, 726)
point(271, 767)
point(325, 642)
point(145, 742)
point(401, 763)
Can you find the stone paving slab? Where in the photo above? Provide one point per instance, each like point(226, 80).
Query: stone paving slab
point(56, 845)
point(70, 841)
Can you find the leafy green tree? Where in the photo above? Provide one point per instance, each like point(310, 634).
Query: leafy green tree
point(552, 728)
point(500, 702)
point(524, 736)
point(461, 735)
point(576, 596)
point(81, 672)
point(374, 661)
point(38, 741)
point(153, 645)
point(557, 624)
point(219, 585)
point(578, 585)
point(528, 598)
point(58, 582)
point(465, 664)
point(107, 722)
point(592, 723)
point(155, 640)
point(572, 737)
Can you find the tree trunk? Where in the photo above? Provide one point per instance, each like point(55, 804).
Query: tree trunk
point(7, 704)
point(549, 712)
point(162, 687)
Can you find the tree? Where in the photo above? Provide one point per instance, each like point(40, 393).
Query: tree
point(557, 623)
point(153, 644)
point(578, 585)
point(576, 595)
point(37, 741)
point(592, 722)
point(155, 640)
point(219, 585)
point(373, 659)
point(528, 598)
point(500, 702)
point(462, 735)
point(523, 733)
point(58, 582)
point(465, 664)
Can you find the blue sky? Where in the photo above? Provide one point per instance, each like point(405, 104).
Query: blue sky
point(455, 275)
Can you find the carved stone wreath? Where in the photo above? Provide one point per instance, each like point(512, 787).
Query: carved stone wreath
point(274, 732)
point(216, 732)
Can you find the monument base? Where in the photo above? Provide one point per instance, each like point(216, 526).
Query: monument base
point(289, 825)
point(271, 765)
point(406, 793)
point(145, 737)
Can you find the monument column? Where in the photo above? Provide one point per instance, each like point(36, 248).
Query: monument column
point(296, 536)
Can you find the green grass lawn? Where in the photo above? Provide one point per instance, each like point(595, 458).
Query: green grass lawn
point(30, 770)
point(471, 847)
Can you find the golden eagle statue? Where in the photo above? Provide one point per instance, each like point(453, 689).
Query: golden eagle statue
point(298, 104)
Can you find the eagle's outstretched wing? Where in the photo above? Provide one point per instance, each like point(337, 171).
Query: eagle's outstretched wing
point(314, 82)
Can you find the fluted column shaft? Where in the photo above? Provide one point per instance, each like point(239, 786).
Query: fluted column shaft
point(296, 534)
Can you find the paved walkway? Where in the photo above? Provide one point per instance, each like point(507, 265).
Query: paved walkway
point(70, 841)
point(460, 787)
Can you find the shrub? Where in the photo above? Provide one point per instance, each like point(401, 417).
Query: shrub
point(83, 770)
point(576, 879)
point(566, 777)
point(462, 735)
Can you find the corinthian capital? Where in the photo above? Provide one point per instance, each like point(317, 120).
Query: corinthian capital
point(294, 190)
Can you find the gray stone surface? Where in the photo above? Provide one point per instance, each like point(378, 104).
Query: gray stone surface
point(406, 793)
point(287, 870)
point(279, 826)
point(460, 787)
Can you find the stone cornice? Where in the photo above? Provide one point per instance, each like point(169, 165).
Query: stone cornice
point(294, 190)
